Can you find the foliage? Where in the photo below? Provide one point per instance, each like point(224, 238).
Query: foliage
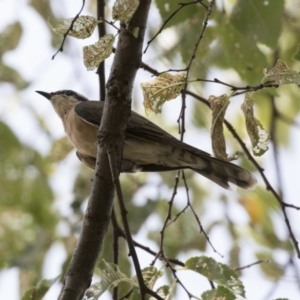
point(242, 39)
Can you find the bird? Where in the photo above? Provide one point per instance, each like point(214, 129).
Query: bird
point(147, 147)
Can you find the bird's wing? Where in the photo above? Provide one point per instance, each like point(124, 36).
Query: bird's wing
point(138, 126)
point(90, 111)
point(86, 159)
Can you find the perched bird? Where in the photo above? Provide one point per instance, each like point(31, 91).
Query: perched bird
point(147, 147)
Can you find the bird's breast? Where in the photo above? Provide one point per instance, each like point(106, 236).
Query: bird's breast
point(81, 134)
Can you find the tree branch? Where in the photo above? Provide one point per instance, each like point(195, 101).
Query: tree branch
point(110, 138)
point(102, 32)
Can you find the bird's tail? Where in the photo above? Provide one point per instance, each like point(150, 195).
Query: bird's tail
point(223, 172)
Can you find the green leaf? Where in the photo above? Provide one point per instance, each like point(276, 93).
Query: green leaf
point(166, 291)
point(272, 269)
point(168, 7)
point(40, 290)
point(10, 37)
point(258, 20)
point(217, 272)
point(150, 275)
point(60, 149)
point(296, 55)
point(8, 74)
point(220, 293)
point(163, 292)
point(26, 206)
point(111, 276)
point(236, 50)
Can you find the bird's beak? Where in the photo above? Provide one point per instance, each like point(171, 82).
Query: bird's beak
point(46, 95)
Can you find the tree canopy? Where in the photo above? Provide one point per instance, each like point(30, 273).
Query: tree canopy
point(222, 76)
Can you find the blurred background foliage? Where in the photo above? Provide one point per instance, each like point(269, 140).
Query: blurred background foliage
point(242, 38)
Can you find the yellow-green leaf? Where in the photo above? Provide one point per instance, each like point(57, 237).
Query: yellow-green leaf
point(82, 28)
point(281, 74)
point(93, 55)
point(123, 10)
point(258, 135)
point(218, 106)
point(217, 272)
point(10, 37)
point(40, 290)
point(296, 55)
point(163, 88)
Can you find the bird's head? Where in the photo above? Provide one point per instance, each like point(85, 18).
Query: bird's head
point(63, 100)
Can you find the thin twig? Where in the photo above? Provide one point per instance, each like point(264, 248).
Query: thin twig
point(291, 206)
point(188, 68)
point(197, 218)
point(252, 264)
point(115, 246)
point(124, 212)
point(181, 5)
point(243, 89)
point(113, 168)
point(121, 233)
point(269, 187)
point(168, 217)
point(61, 49)
point(111, 23)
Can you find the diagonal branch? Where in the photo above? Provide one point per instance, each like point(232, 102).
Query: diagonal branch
point(61, 48)
point(115, 175)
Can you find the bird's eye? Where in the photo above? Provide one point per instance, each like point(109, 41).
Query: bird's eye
point(69, 93)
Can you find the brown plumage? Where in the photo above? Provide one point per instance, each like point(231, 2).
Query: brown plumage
point(147, 147)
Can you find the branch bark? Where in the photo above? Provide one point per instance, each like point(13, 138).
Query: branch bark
point(111, 134)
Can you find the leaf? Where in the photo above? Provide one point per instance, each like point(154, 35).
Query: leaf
point(281, 74)
point(166, 291)
point(258, 20)
point(255, 209)
point(258, 135)
point(93, 55)
point(163, 88)
point(82, 28)
point(190, 12)
point(150, 275)
point(163, 292)
point(40, 290)
point(218, 106)
point(272, 269)
point(236, 50)
point(60, 149)
point(10, 37)
point(296, 55)
point(220, 293)
point(123, 10)
point(8, 74)
point(217, 272)
point(111, 276)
